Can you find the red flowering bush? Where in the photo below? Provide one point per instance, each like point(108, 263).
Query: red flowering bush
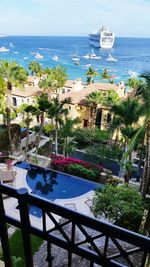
point(61, 163)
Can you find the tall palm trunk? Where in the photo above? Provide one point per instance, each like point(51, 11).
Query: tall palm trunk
point(40, 132)
point(8, 113)
point(27, 138)
point(56, 139)
point(146, 175)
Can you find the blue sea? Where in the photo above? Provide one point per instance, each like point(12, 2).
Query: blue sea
point(133, 54)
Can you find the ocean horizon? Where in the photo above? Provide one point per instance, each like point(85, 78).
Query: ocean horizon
point(132, 54)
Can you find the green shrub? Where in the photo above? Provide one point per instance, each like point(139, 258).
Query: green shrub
point(113, 152)
point(79, 170)
point(121, 205)
point(88, 136)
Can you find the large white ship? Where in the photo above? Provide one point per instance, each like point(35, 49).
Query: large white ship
point(102, 38)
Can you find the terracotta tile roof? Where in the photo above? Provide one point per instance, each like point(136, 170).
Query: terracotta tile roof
point(79, 96)
point(25, 92)
point(69, 83)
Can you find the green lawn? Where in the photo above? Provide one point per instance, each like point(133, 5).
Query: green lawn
point(16, 246)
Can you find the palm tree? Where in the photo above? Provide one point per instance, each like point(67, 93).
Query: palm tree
point(67, 132)
point(134, 83)
point(145, 96)
point(54, 79)
point(39, 110)
point(105, 76)
point(3, 89)
point(128, 111)
point(94, 99)
point(56, 112)
point(13, 74)
point(35, 68)
point(28, 111)
point(60, 76)
point(106, 99)
point(90, 74)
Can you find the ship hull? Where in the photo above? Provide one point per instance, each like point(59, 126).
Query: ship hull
point(103, 39)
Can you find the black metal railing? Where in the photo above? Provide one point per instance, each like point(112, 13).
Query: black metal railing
point(100, 242)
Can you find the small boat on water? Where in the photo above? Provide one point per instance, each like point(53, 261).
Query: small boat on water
point(56, 58)
point(11, 45)
point(38, 56)
point(132, 74)
point(4, 49)
point(92, 56)
point(75, 58)
point(15, 52)
point(111, 59)
point(77, 63)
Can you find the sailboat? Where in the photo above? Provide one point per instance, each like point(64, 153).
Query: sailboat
point(75, 58)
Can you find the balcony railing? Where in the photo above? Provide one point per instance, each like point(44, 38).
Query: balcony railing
point(102, 243)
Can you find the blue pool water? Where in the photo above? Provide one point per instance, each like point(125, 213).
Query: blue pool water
point(54, 185)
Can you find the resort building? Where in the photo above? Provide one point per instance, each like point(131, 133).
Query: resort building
point(79, 107)
point(25, 95)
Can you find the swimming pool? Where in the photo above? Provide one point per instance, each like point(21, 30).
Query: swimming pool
point(55, 185)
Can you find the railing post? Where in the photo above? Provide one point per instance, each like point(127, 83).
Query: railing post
point(4, 235)
point(25, 225)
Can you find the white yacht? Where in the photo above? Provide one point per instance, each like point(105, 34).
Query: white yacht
point(38, 56)
point(75, 58)
point(102, 38)
point(56, 58)
point(11, 45)
point(4, 49)
point(92, 56)
point(111, 59)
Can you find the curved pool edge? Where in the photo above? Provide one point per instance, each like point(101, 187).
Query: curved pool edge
point(86, 195)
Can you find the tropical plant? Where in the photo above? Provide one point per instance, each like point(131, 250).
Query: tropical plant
point(62, 163)
point(56, 111)
point(3, 90)
point(79, 170)
point(105, 75)
point(143, 94)
point(128, 111)
point(66, 133)
point(121, 205)
point(40, 109)
point(88, 136)
point(13, 74)
point(48, 84)
point(60, 76)
point(102, 98)
point(28, 111)
point(54, 79)
point(90, 74)
point(134, 83)
point(94, 100)
point(35, 68)
point(102, 150)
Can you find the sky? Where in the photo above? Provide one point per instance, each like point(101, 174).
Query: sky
point(127, 18)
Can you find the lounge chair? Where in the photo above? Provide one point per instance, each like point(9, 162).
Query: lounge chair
point(71, 206)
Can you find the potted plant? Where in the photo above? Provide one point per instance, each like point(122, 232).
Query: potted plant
point(9, 164)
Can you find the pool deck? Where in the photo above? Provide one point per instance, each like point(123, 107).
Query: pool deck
point(78, 204)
